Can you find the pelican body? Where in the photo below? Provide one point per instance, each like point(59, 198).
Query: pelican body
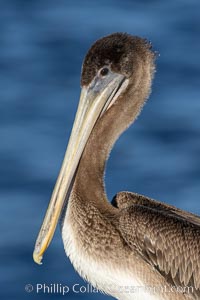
point(135, 247)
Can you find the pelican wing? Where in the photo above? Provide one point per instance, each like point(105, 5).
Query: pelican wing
point(126, 199)
point(166, 240)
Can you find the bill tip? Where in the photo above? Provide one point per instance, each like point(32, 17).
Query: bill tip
point(37, 258)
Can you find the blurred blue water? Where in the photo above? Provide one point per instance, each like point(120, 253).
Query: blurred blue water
point(42, 45)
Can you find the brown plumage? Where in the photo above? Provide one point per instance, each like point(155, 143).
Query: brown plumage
point(169, 238)
point(136, 241)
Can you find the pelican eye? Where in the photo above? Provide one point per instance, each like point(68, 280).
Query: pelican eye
point(104, 71)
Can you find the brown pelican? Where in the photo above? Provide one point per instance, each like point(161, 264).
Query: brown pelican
point(136, 247)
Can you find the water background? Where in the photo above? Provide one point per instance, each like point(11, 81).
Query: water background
point(42, 45)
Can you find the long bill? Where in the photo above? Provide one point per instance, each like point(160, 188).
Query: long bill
point(94, 100)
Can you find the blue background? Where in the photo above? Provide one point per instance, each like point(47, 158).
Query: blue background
point(42, 45)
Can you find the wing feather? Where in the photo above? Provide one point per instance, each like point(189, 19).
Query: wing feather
point(126, 199)
point(168, 241)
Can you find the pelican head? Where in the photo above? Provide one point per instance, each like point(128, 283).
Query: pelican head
point(115, 68)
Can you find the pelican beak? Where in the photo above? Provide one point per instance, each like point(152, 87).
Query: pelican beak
point(94, 100)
